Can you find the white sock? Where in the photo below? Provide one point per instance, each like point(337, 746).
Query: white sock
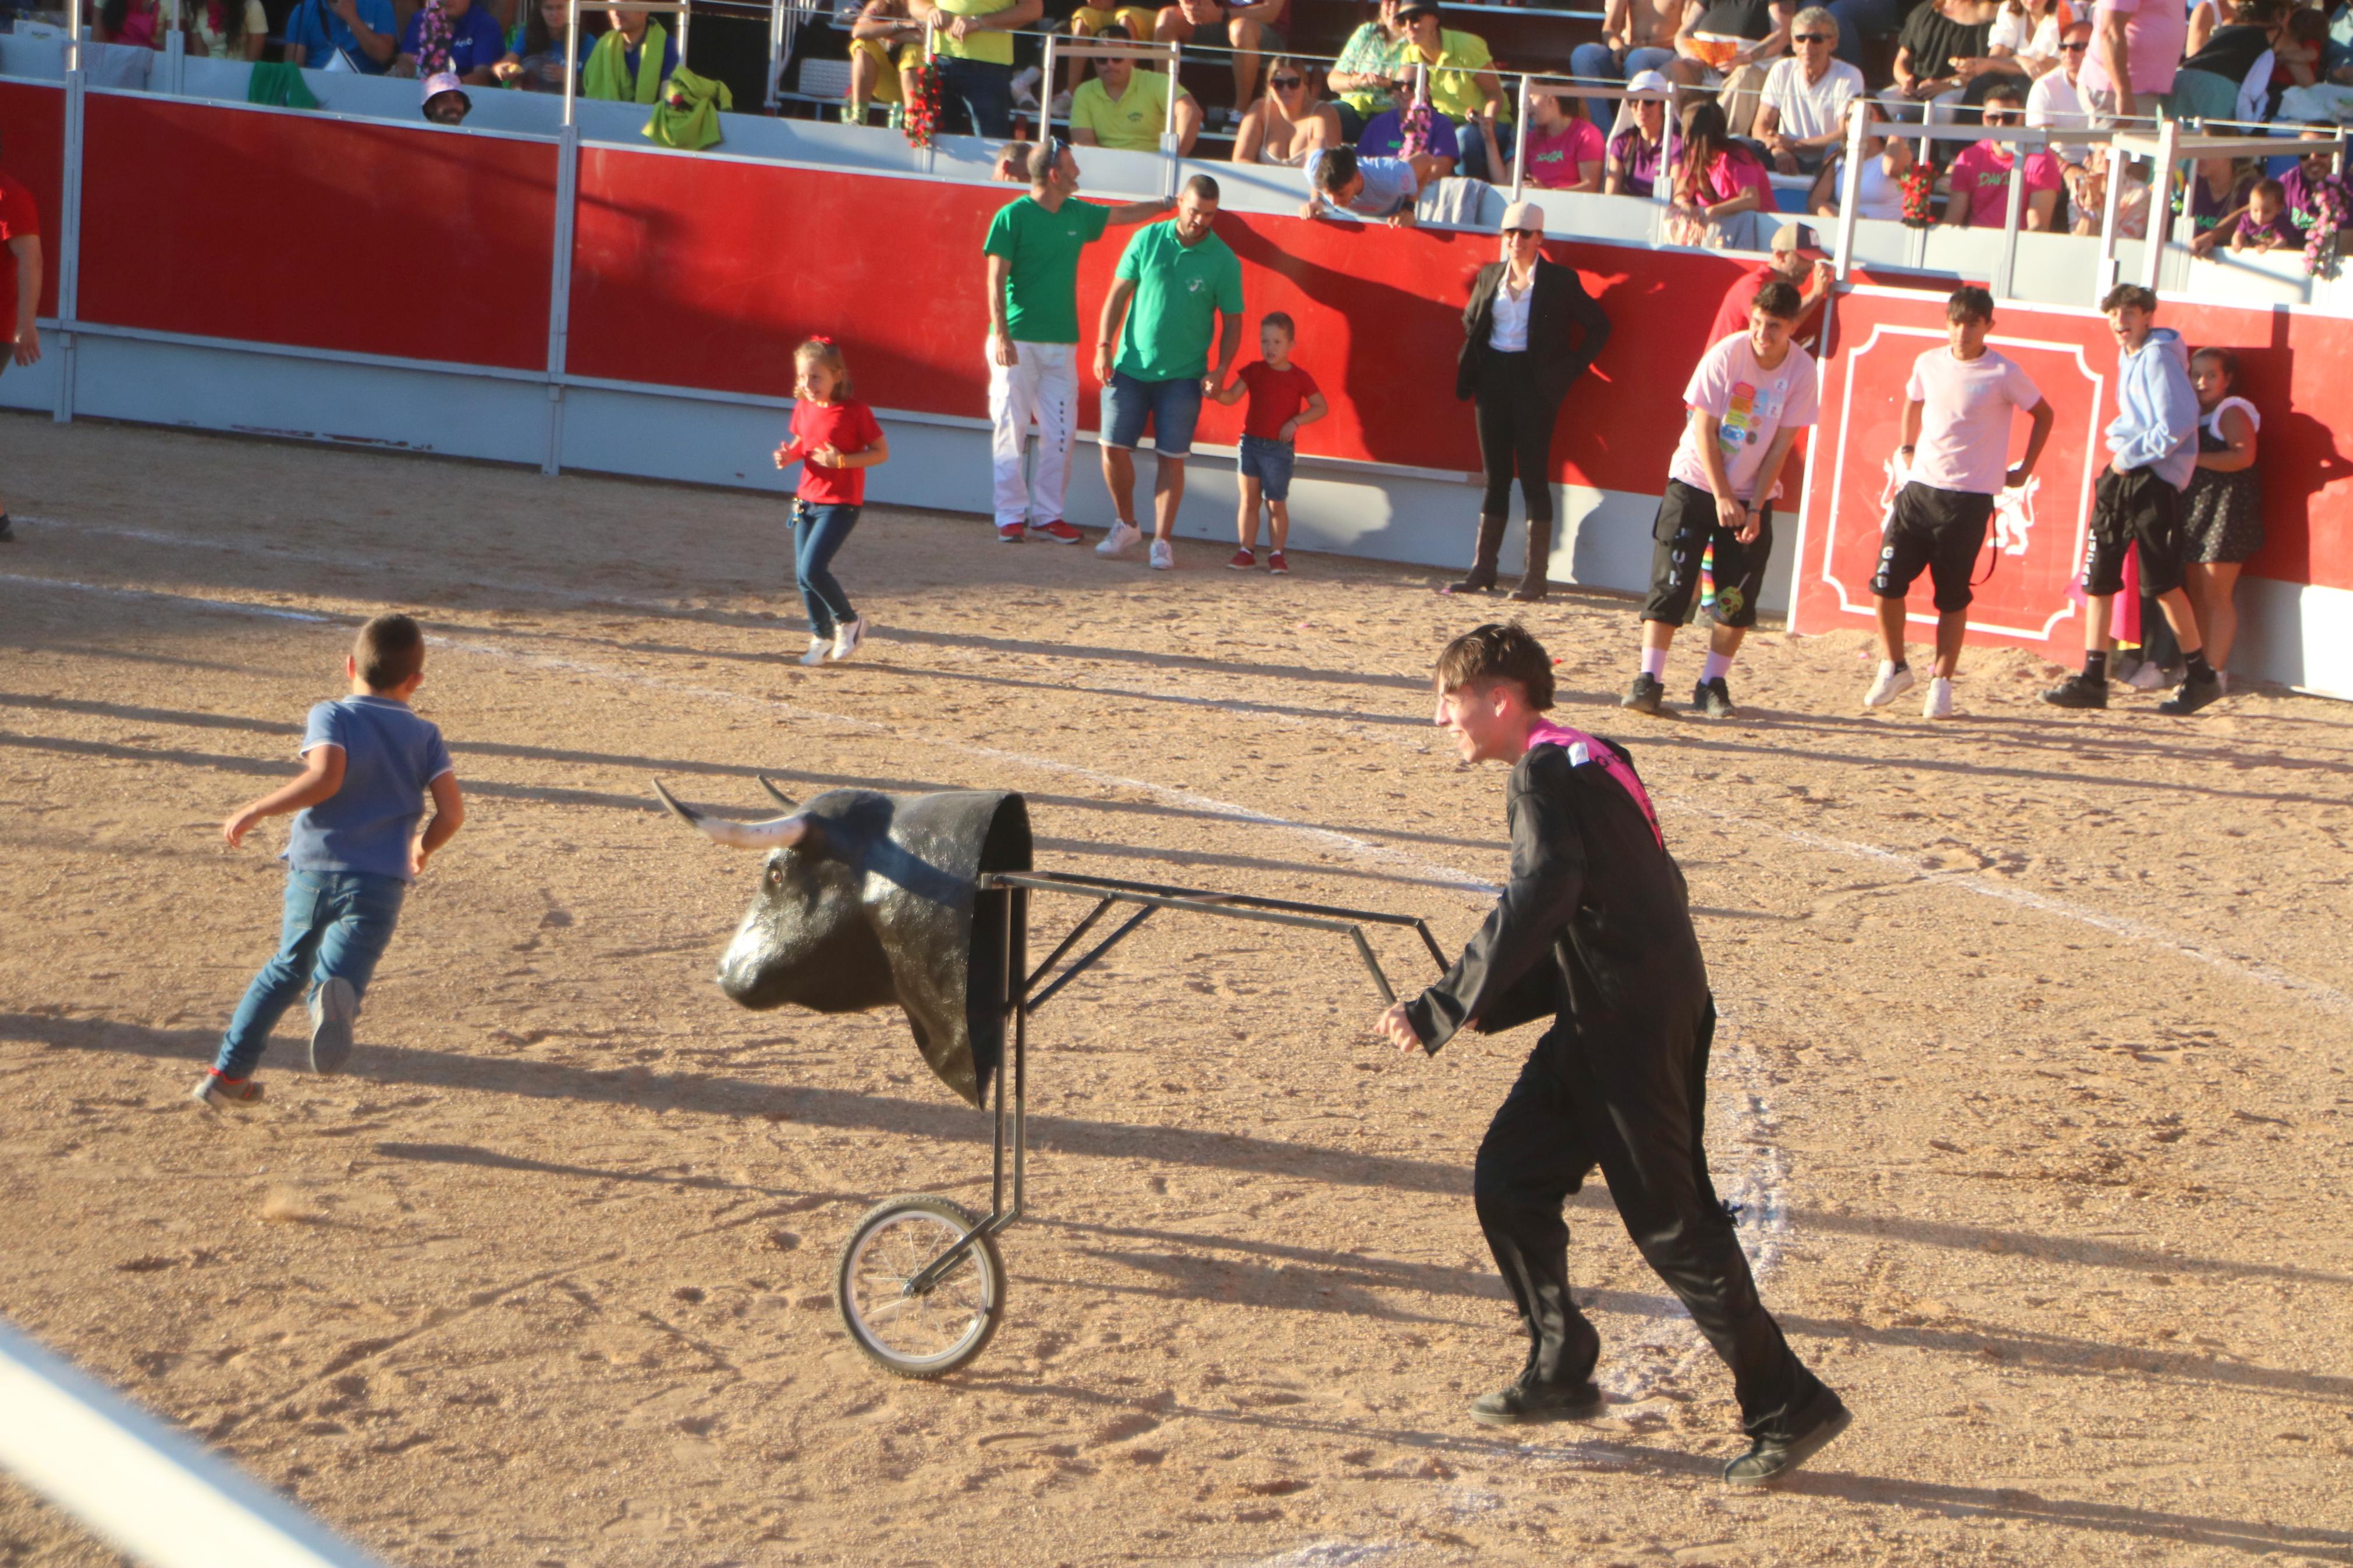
point(1654, 662)
point(1718, 663)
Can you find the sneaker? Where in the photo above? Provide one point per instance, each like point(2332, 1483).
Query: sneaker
point(1528, 1402)
point(1010, 533)
point(1940, 704)
point(1893, 681)
point(1025, 88)
point(1277, 564)
point(1647, 695)
point(2077, 693)
point(334, 1006)
point(1770, 1459)
point(1163, 557)
point(2192, 696)
point(215, 1092)
point(2147, 676)
point(1713, 698)
point(1243, 561)
point(817, 648)
point(1061, 532)
point(847, 636)
point(1122, 539)
point(850, 114)
point(1060, 108)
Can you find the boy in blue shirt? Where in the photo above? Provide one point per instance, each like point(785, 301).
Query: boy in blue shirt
point(368, 763)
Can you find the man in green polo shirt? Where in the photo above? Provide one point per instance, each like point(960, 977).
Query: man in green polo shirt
point(975, 55)
point(1126, 110)
point(1179, 277)
point(1033, 249)
point(1464, 85)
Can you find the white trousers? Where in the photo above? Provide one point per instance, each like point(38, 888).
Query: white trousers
point(1043, 387)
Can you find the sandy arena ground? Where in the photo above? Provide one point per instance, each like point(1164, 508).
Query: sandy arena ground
point(2033, 1079)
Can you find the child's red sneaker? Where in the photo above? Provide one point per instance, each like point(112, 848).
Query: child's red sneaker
point(1277, 564)
point(215, 1092)
point(1061, 532)
point(1243, 561)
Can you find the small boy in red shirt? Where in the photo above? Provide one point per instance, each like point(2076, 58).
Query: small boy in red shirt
point(1283, 397)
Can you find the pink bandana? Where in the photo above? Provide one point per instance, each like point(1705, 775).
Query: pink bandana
point(1583, 748)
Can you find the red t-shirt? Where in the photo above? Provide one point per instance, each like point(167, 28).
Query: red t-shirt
point(19, 219)
point(1274, 397)
point(848, 425)
point(1732, 316)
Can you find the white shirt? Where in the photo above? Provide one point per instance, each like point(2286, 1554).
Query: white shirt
point(1879, 195)
point(2056, 103)
point(2010, 28)
point(1808, 109)
point(1508, 333)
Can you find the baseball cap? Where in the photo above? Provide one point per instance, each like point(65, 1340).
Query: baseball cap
point(1649, 83)
point(440, 82)
point(1523, 215)
point(1796, 236)
point(1412, 8)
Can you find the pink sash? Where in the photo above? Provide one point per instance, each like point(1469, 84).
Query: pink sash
point(1583, 748)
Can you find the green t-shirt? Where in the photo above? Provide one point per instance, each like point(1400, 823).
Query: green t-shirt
point(1453, 75)
point(1041, 281)
point(994, 44)
point(1179, 288)
point(1131, 123)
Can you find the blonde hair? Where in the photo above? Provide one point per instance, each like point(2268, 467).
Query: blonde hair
point(820, 351)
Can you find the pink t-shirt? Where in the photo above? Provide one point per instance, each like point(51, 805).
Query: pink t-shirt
point(2155, 32)
point(1751, 404)
point(1964, 427)
point(1982, 174)
point(1555, 160)
point(1730, 174)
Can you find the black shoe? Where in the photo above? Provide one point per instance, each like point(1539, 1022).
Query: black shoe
point(1770, 1459)
point(1647, 695)
point(2193, 695)
point(2077, 693)
point(1528, 1402)
point(7, 530)
point(1713, 698)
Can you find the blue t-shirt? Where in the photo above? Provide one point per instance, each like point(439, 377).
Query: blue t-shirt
point(475, 41)
point(390, 755)
point(1384, 137)
point(1390, 186)
point(318, 29)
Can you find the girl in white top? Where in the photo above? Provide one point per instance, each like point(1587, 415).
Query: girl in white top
point(1289, 122)
point(1886, 161)
point(2026, 31)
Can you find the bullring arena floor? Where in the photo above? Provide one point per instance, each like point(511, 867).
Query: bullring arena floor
point(2034, 1081)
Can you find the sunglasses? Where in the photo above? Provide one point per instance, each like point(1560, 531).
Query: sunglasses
point(1998, 117)
point(1815, 38)
point(2076, 49)
point(1285, 83)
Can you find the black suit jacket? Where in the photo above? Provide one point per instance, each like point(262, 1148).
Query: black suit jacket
point(1567, 329)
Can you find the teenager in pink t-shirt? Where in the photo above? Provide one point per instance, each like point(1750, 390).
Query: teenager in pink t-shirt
point(1981, 175)
point(1955, 460)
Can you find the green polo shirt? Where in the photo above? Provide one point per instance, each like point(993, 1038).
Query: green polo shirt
point(1041, 280)
point(1132, 122)
point(1179, 290)
point(1453, 75)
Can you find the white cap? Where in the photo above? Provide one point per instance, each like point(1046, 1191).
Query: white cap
point(440, 82)
point(1651, 83)
point(1523, 215)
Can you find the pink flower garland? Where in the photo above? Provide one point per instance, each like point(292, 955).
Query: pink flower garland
point(433, 36)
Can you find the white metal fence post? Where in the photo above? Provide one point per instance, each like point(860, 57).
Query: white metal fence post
point(559, 291)
point(68, 257)
point(2160, 205)
point(1520, 144)
point(1858, 117)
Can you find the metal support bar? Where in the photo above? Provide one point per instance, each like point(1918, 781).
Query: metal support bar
point(2013, 206)
point(2160, 205)
point(1068, 942)
point(2104, 271)
point(1858, 121)
point(69, 255)
point(1088, 960)
point(559, 287)
point(1520, 144)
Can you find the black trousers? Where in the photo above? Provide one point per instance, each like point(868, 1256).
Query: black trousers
point(1515, 423)
point(1635, 1108)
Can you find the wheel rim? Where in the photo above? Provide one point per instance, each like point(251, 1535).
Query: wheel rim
point(918, 1331)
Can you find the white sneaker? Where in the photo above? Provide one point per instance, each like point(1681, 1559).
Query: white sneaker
point(1122, 539)
point(1892, 683)
point(1060, 108)
point(817, 648)
point(1163, 558)
point(1940, 699)
point(2146, 677)
point(847, 636)
point(1025, 88)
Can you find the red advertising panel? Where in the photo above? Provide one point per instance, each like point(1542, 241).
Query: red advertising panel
point(32, 150)
point(282, 227)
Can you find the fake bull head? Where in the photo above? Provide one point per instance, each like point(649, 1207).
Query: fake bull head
point(870, 900)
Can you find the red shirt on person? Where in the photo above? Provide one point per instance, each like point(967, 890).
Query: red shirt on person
point(1274, 397)
point(849, 427)
point(19, 219)
point(1732, 316)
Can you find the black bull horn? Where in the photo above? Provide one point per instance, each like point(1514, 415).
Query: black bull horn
point(872, 900)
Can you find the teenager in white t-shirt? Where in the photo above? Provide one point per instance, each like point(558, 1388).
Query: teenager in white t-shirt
point(1747, 400)
point(1958, 413)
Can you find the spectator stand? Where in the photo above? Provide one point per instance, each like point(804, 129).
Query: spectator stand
point(1171, 57)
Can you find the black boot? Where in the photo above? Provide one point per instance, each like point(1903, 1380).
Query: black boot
point(1483, 565)
point(1531, 580)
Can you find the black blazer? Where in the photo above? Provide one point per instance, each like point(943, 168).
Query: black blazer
point(1559, 300)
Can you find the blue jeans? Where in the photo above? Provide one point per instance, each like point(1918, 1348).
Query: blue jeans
point(1598, 62)
point(818, 532)
point(985, 90)
point(1270, 462)
point(1173, 408)
point(337, 925)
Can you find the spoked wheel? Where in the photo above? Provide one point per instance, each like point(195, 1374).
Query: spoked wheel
point(934, 1333)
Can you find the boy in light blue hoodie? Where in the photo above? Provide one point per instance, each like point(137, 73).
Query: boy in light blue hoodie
point(2153, 447)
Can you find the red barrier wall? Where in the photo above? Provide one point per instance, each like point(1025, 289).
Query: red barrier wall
point(33, 121)
point(2294, 369)
point(292, 228)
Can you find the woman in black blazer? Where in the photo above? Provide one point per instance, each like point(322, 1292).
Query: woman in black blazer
point(1530, 331)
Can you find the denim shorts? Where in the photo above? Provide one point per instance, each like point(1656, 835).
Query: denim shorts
point(1174, 407)
point(1268, 461)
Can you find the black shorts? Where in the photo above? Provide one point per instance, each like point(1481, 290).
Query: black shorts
point(1687, 526)
point(2133, 509)
point(1940, 530)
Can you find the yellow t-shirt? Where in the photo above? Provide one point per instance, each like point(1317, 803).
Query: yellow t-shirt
point(995, 45)
point(1453, 75)
point(1132, 122)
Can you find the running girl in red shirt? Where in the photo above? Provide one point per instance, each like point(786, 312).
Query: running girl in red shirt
point(835, 437)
